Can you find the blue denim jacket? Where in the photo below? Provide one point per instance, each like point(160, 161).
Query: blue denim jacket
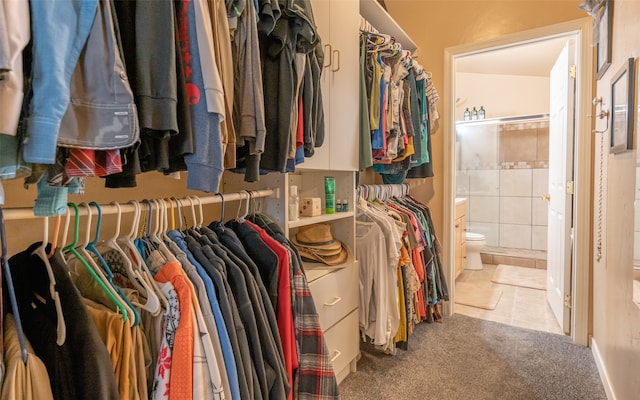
point(58, 37)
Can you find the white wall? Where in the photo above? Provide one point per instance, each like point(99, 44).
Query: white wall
point(502, 95)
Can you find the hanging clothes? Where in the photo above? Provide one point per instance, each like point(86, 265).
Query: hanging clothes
point(28, 381)
point(294, 33)
point(401, 276)
point(245, 367)
point(180, 87)
point(215, 331)
point(101, 114)
point(216, 320)
point(205, 166)
point(248, 100)
point(282, 287)
point(424, 170)
point(14, 36)
point(399, 127)
point(90, 376)
point(379, 259)
point(55, 55)
point(314, 377)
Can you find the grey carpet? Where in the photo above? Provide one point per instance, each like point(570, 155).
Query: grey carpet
point(469, 358)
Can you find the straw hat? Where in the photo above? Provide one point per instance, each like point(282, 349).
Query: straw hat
point(316, 243)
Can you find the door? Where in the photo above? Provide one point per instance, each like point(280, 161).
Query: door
point(322, 17)
point(338, 24)
point(561, 132)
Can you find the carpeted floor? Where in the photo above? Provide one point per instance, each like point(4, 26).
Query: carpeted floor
point(467, 358)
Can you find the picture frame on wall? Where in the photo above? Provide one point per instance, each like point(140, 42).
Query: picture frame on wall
point(603, 47)
point(622, 117)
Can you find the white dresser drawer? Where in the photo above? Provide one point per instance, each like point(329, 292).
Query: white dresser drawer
point(343, 342)
point(335, 295)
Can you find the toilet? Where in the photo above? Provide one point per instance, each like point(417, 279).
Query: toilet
point(475, 243)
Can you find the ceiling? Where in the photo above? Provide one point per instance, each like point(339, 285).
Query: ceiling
point(531, 59)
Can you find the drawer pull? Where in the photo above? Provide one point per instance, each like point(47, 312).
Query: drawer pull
point(336, 354)
point(335, 301)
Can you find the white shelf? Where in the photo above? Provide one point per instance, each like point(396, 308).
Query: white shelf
point(373, 12)
point(303, 221)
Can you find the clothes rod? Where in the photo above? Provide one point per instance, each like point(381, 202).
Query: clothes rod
point(25, 213)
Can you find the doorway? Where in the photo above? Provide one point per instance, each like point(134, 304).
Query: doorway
point(483, 55)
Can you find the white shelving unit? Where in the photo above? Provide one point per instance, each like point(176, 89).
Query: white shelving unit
point(302, 221)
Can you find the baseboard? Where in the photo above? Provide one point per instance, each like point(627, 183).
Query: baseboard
point(602, 370)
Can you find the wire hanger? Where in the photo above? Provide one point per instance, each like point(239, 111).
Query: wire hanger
point(71, 248)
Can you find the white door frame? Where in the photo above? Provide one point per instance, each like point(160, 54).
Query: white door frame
point(582, 215)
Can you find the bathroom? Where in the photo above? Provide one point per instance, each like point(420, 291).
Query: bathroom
point(502, 175)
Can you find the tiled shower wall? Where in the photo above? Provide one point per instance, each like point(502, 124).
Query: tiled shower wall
point(503, 172)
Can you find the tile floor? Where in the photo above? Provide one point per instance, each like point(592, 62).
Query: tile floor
point(518, 306)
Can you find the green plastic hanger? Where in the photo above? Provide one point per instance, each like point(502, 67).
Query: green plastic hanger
point(71, 248)
point(91, 247)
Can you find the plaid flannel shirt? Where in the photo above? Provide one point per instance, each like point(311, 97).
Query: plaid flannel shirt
point(315, 377)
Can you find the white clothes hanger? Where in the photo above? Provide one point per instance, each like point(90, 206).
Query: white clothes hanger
point(179, 211)
point(61, 329)
point(138, 263)
point(200, 212)
point(164, 205)
point(152, 303)
point(193, 229)
point(241, 218)
point(154, 231)
point(193, 211)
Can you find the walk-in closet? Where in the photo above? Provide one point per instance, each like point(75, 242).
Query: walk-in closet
point(206, 200)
